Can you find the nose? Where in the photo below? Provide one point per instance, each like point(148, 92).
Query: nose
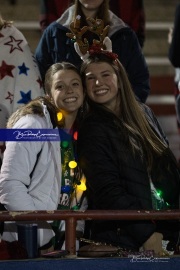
point(98, 81)
point(69, 89)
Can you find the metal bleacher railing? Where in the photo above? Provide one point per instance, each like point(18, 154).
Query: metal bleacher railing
point(149, 25)
point(71, 218)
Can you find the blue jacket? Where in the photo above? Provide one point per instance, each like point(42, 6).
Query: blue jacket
point(55, 46)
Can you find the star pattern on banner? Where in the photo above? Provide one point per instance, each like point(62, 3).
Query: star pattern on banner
point(40, 82)
point(26, 97)
point(6, 70)
point(23, 69)
point(10, 97)
point(14, 44)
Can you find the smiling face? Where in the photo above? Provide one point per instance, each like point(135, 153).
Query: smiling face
point(102, 84)
point(67, 91)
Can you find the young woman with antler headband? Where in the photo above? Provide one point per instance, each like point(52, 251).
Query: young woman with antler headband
point(125, 157)
point(56, 46)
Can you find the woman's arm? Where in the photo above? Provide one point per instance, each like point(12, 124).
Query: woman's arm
point(44, 51)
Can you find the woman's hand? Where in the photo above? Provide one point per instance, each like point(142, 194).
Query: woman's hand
point(154, 242)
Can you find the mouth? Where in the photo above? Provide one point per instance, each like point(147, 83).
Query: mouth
point(101, 92)
point(70, 99)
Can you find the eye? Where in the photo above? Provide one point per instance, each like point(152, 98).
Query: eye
point(60, 87)
point(75, 84)
point(90, 77)
point(106, 74)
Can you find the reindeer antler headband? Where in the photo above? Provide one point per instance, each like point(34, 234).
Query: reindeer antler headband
point(81, 45)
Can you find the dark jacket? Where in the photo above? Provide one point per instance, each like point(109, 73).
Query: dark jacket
point(131, 12)
point(51, 10)
point(116, 179)
point(55, 46)
point(174, 54)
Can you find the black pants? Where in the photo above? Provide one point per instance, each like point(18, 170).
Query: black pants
point(109, 233)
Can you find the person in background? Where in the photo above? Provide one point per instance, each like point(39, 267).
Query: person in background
point(174, 41)
point(51, 10)
point(131, 12)
point(35, 173)
point(125, 157)
point(20, 80)
point(55, 46)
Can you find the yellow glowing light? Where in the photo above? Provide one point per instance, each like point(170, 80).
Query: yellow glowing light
point(82, 186)
point(72, 164)
point(59, 116)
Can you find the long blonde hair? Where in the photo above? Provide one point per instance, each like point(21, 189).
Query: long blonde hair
point(140, 135)
point(34, 107)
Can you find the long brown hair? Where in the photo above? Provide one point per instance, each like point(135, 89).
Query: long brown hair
point(140, 135)
point(103, 12)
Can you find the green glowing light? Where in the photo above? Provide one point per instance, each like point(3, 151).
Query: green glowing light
point(159, 193)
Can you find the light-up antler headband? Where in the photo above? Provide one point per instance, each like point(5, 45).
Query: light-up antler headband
point(81, 45)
